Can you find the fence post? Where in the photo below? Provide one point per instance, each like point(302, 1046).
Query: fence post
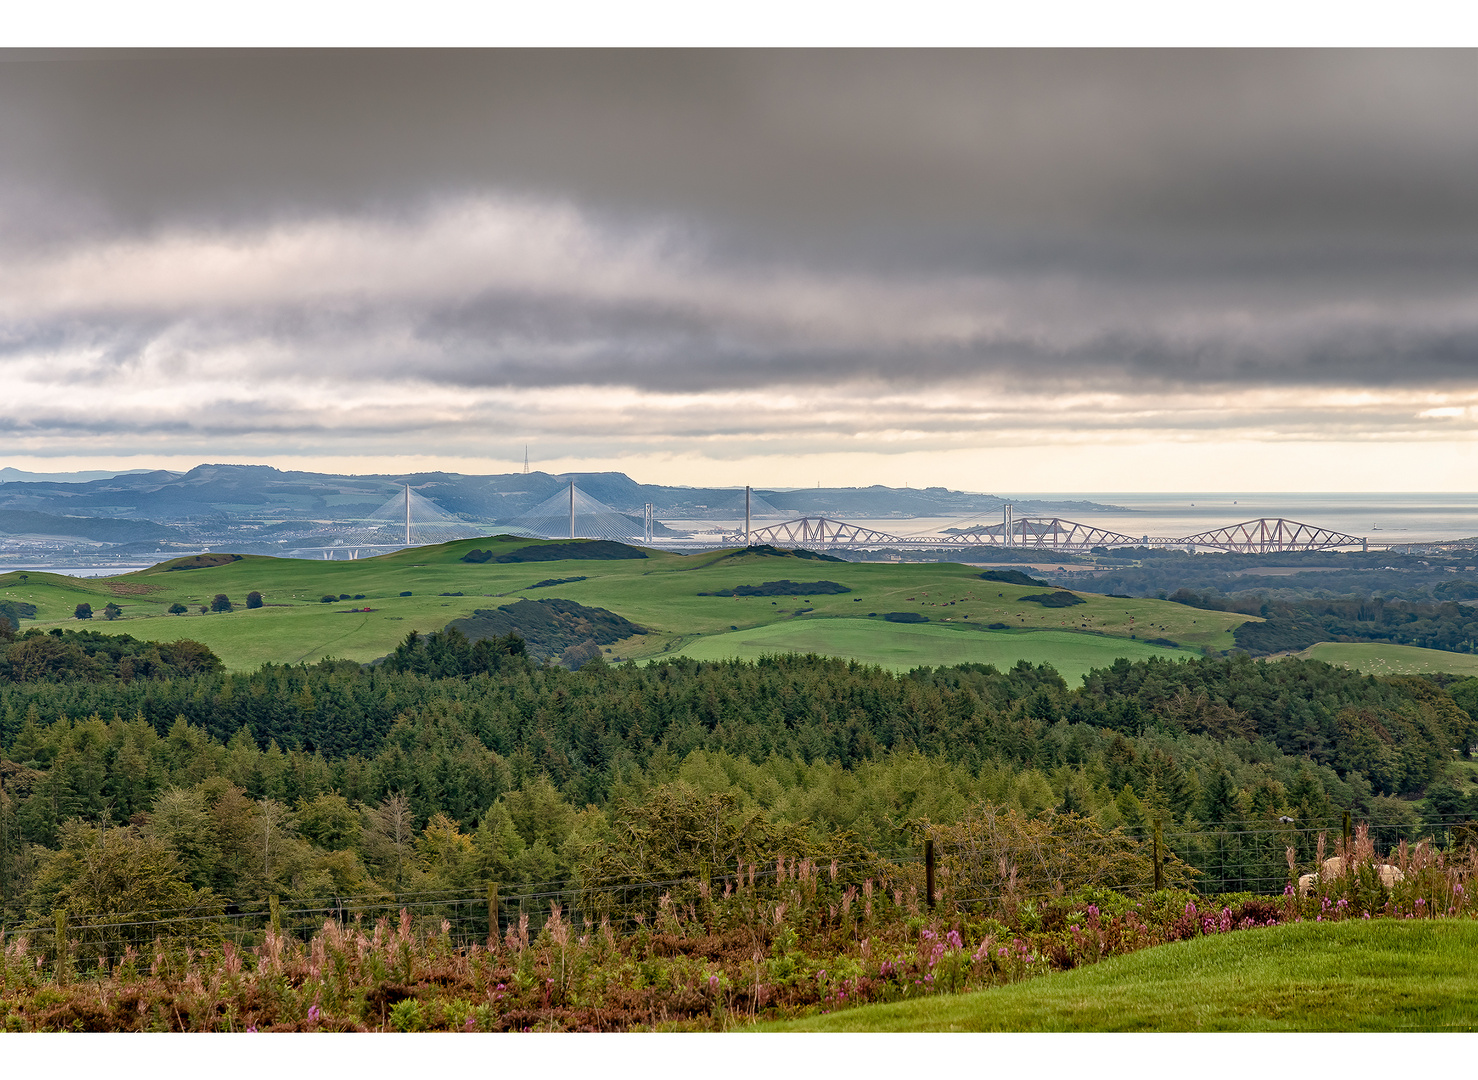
point(1159, 872)
point(62, 961)
point(276, 917)
point(929, 870)
point(492, 914)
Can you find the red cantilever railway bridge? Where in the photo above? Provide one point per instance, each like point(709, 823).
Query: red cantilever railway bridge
point(1259, 536)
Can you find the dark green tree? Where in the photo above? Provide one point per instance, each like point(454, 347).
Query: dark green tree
point(253, 599)
point(220, 602)
point(83, 611)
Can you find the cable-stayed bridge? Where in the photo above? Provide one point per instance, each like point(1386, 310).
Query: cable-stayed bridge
point(409, 519)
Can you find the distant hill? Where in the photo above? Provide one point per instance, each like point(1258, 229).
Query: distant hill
point(10, 475)
point(104, 530)
point(260, 492)
point(258, 509)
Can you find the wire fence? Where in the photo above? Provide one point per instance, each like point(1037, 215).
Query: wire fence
point(971, 876)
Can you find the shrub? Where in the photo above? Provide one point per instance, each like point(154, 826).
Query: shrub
point(405, 594)
point(220, 602)
point(1053, 599)
point(548, 582)
point(83, 611)
point(577, 656)
point(13, 611)
point(785, 587)
point(253, 599)
point(1012, 577)
point(407, 1016)
point(905, 616)
point(343, 596)
point(327, 598)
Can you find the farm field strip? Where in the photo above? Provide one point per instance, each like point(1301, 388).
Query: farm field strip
point(659, 593)
point(1376, 658)
point(901, 647)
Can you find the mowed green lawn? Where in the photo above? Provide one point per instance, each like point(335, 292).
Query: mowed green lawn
point(659, 593)
point(903, 646)
point(1381, 659)
point(1381, 975)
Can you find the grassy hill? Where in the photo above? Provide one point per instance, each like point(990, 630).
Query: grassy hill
point(660, 593)
point(1381, 975)
point(903, 647)
point(1382, 659)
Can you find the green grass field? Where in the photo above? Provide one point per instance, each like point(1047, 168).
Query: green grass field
point(1378, 659)
point(659, 593)
point(902, 646)
point(1380, 975)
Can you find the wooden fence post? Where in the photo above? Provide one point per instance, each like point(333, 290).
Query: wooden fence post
point(929, 870)
point(1159, 871)
point(62, 961)
point(492, 914)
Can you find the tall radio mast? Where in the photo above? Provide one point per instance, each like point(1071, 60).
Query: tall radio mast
point(407, 515)
point(526, 459)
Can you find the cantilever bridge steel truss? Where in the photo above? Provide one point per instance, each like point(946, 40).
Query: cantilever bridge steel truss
point(1259, 536)
point(1273, 534)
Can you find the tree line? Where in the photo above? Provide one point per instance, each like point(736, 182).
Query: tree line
point(453, 762)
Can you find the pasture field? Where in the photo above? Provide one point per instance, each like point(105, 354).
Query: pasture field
point(659, 593)
point(1381, 975)
point(903, 646)
point(1379, 659)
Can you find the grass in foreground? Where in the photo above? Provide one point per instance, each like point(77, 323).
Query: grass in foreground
point(903, 646)
point(1379, 659)
point(1381, 975)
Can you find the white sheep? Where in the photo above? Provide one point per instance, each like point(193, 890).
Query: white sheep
point(1335, 868)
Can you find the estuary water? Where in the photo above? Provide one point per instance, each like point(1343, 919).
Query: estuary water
point(1382, 517)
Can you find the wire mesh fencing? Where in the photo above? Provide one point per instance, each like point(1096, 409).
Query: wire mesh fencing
point(988, 865)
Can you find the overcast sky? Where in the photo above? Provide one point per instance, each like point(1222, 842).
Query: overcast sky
point(999, 271)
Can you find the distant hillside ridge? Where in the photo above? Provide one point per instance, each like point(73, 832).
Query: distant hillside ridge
point(263, 493)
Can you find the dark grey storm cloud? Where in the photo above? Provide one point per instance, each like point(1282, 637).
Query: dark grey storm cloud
point(1358, 142)
point(278, 231)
